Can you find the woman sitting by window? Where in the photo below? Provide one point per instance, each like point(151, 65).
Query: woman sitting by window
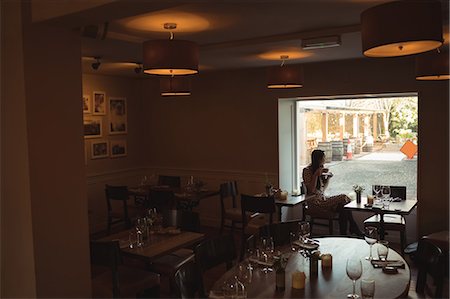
point(316, 183)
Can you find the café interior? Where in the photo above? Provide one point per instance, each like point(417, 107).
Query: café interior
point(196, 92)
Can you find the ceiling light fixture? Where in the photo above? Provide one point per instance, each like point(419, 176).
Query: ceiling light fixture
point(401, 28)
point(433, 65)
point(95, 65)
point(321, 42)
point(284, 76)
point(175, 86)
point(169, 56)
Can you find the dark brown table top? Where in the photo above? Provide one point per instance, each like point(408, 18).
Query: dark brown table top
point(403, 207)
point(290, 201)
point(332, 283)
point(179, 193)
point(157, 245)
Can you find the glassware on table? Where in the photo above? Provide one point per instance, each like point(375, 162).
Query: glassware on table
point(376, 191)
point(383, 250)
point(132, 239)
point(386, 203)
point(354, 272)
point(234, 289)
point(305, 231)
point(294, 237)
point(139, 232)
point(386, 192)
point(245, 274)
point(266, 247)
point(371, 237)
point(367, 288)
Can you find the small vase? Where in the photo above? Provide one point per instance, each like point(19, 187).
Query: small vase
point(358, 197)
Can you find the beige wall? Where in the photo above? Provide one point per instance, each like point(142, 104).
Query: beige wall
point(17, 261)
point(230, 122)
point(56, 162)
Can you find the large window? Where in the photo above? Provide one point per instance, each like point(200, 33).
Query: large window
point(363, 137)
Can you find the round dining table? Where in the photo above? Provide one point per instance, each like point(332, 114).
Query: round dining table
point(329, 282)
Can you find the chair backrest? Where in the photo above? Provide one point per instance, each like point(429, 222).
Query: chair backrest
point(189, 282)
point(185, 220)
point(429, 261)
point(215, 251)
point(107, 253)
point(161, 200)
point(228, 190)
point(280, 232)
point(116, 193)
point(396, 191)
point(257, 204)
point(171, 181)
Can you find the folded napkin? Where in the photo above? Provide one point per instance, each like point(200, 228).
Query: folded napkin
point(388, 263)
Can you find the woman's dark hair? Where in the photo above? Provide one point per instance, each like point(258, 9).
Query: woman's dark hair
point(316, 159)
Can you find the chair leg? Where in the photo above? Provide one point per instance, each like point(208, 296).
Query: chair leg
point(109, 226)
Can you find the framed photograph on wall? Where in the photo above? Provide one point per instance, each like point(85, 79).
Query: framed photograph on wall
point(99, 149)
point(87, 104)
point(99, 103)
point(118, 148)
point(92, 127)
point(117, 116)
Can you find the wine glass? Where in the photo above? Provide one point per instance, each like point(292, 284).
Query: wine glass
point(293, 239)
point(266, 255)
point(305, 231)
point(371, 236)
point(354, 272)
point(376, 190)
point(383, 250)
point(386, 192)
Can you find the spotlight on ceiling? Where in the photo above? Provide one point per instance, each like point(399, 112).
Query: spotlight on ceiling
point(138, 69)
point(95, 65)
point(321, 42)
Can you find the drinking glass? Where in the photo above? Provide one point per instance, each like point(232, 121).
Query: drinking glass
point(293, 238)
point(266, 253)
point(371, 236)
point(376, 190)
point(367, 288)
point(386, 192)
point(305, 231)
point(244, 274)
point(354, 272)
point(383, 250)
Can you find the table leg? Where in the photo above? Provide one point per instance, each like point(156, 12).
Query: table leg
point(280, 213)
point(381, 226)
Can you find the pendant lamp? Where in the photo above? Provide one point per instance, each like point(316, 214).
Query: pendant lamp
point(175, 86)
point(401, 28)
point(284, 76)
point(432, 65)
point(170, 57)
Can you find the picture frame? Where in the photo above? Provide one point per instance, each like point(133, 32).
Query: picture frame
point(99, 149)
point(118, 148)
point(117, 116)
point(87, 104)
point(99, 103)
point(92, 127)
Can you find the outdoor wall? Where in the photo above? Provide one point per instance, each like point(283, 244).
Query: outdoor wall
point(119, 170)
point(229, 124)
point(52, 71)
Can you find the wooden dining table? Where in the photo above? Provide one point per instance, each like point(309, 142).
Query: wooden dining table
point(328, 283)
point(157, 245)
point(290, 201)
point(402, 207)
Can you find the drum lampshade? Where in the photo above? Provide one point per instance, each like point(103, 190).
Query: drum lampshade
point(286, 76)
point(432, 66)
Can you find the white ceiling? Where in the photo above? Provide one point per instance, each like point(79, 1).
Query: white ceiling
point(231, 34)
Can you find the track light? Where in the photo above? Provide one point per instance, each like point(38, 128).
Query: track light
point(96, 65)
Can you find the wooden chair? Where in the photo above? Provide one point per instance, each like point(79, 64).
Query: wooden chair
point(316, 213)
point(119, 281)
point(280, 232)
point(118, 194)
point(161, 200)
point(171, 181)
point(232, 213)
point(168, 264)
point(392, 222)
point(251, 205)
point(429, 259)
point(188, 282)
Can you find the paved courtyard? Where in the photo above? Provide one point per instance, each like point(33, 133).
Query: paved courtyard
point(377, 168)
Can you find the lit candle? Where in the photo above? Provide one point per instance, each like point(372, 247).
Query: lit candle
point(298, 280)
point(283, 195)
point(327, 260)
